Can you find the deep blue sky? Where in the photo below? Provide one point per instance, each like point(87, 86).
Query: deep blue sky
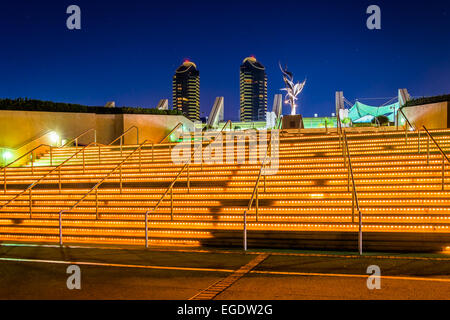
point(127, 51)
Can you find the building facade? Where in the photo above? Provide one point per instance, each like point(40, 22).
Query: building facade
point(186, 90)
point(253, 91)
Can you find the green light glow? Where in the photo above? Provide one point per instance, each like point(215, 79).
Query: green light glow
point(7, 155)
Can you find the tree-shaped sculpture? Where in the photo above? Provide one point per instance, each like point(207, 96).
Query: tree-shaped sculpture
point(293, 90)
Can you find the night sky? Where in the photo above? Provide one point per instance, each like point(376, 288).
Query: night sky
point(127, 51)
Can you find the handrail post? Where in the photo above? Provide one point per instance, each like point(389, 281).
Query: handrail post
point(59, 174)
point(121, 145)
point(95, 136)
point(348, 177)
point(406, 134)
point(443, 173)
point(245, 230)
point(360, 234)
point(120, 170)
point(344, 151)
point(140, 160)
point(31, 205)
point(353, 206)
point(32, 163)
point(96, 203)
point(146, 229)
point(265, 176)
point(60, 228)
point(257, 201)
point(188, 180)
point(339, 129)
point(418, 140)
point(201, 153)
point(171, 203)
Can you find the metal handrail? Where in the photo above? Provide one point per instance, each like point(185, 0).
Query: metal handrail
point(98, 184)
point(31, 186)
point(437, 144)
point(170, 187)
point(406, 127)
point(404, 116)
point(444, 155)
point(256, 193)
point(123, 134)
point(27, 143)
point(95, 188)
point(355, 200)
point(79, 136)
point(188, 162)
point(21, 157)
point(255, 189)
point(172, 131)
point(341, 138)
point(263, 164)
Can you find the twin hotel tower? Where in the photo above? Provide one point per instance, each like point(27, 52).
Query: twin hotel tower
point(253, 90)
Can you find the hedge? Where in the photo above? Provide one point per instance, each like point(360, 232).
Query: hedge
point(427, 100)
point(25, 104)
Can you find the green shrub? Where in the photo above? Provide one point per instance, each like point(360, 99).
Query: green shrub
point(427, 100)
point(25, 104)
point(363, 125)
point(382, 120)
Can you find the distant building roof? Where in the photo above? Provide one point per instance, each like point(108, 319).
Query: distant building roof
point(186, 66)
point(253, 62)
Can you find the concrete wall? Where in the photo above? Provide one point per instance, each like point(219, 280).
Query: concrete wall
point(153, 127)
point(109, 127)
point(20, 127)
point(433, 116)
point(17, 127)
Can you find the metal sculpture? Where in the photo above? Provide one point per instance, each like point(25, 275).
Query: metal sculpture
point(293, 90)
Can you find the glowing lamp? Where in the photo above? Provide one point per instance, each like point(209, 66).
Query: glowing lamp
point(54, 137)
point(7, 155)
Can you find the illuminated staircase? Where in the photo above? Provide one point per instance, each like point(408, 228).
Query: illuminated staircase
point(306, 205)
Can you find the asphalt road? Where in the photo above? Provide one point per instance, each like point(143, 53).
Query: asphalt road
point(36, 272)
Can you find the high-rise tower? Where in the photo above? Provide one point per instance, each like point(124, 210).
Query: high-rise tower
point(186, 90)
point(253, 89)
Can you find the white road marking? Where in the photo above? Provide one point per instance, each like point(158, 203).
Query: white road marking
point(117, 265)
